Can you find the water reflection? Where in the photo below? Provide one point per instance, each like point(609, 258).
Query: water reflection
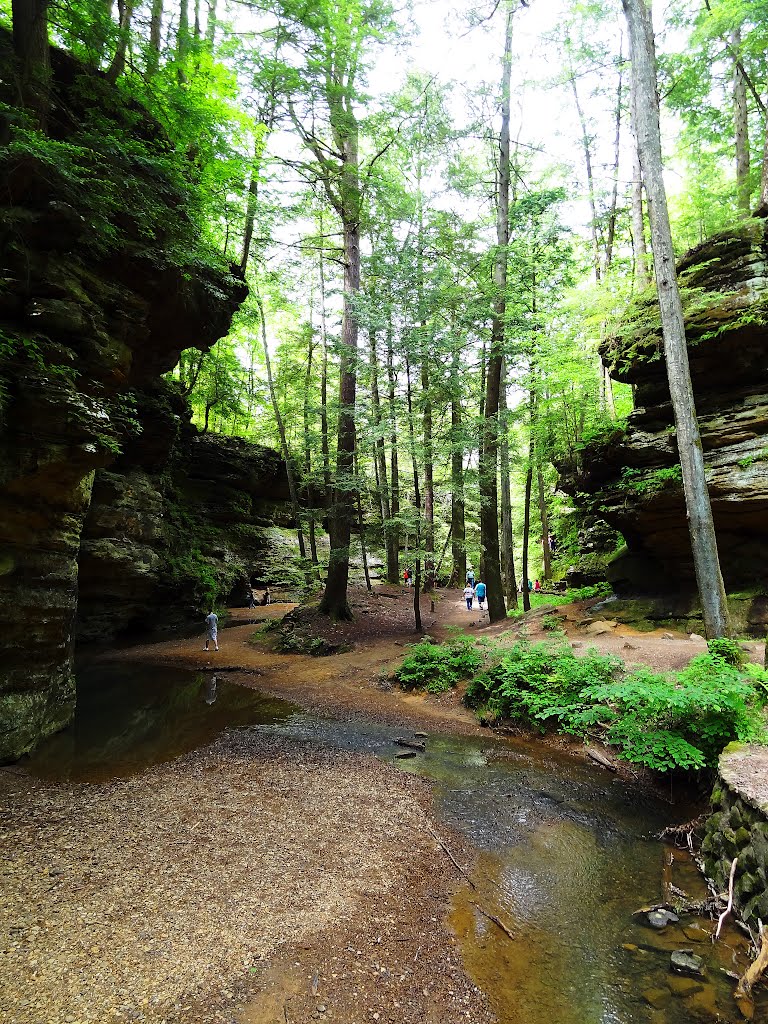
point(130, 717)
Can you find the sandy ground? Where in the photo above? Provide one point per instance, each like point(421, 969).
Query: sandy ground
point(261, 880)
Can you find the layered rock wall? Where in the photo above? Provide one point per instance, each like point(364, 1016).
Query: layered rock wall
point(92, 307)
point(631, 477)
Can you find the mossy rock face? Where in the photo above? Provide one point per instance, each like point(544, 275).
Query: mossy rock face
point(633, 484)
point(100, 295)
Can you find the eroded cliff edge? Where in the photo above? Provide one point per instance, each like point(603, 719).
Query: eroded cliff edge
point(97, 301)
point(630, 476)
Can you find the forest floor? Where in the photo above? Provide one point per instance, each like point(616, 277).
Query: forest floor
point(262, 879)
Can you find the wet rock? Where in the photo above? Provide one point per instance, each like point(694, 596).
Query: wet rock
point(685, 961)
point(656, 917)
point(657, 997)
point(682, 987)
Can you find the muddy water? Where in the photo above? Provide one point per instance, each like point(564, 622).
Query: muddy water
point(567, 852)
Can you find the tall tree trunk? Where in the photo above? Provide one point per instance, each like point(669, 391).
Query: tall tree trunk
point(197, 29)
point(741, 128)
point(394, 468)
point(182, 39)
point(308, 449)
point(155, 35)
point(700, 523)
point(380, 461)
point(429, 479)
point(458, 525)
point(325, 447)
point(527, 522)
point(507, 539)
point(341, 516)
point(642, 277)
point(489, 502)
point(544, 517)
point(117, 66)
point(210, 24)
point(292, 488)
point(612, 213)
point(417, 505)
point(33, 56)
point(585, 141)
point(361, 527)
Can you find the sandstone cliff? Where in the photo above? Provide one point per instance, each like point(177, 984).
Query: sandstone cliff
point(93, 305)
point(630, 476)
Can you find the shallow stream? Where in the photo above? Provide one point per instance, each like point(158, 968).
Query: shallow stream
point(568, 852)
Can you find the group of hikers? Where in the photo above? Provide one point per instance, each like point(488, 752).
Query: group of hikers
point(474, 590)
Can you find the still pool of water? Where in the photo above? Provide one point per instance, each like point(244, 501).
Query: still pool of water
point(568, 852)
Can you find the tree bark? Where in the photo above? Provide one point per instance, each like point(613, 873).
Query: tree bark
point(33, 56)
point(341, 514)
point(612, 213)
point(325, 447)
point(507, 538)
point(394, 468)
point(210, 24)
point(417, 504)
point(292, 488)
point(155, 35)
point(527, 520)
point(642, 277)
point(590, 178)
point(308, 449)
point(741, 129)
point(458, 525)
point(117, 66)
point(489, 501)
point(700, 522)
point(544, 517)
point(380, 460)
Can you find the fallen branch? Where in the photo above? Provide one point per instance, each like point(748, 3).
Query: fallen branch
point(728, 909)
point(600, 759)
point(496, 921)
point(750, 978)
point(453, 860)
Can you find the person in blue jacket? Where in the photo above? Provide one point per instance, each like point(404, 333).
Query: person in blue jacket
point(480, 591)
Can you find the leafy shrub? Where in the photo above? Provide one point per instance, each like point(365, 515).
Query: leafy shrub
point(438, 667)
point(727, 649)
point(675, 720)
point(551, 623)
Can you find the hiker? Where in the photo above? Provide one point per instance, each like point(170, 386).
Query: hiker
point(480, 591)
point(267, 599)
point(212, 630)
point(407, 577)
point(471, 578)
point(251, 600)
point(469, 595)
point(530, 586)
point(537, 587)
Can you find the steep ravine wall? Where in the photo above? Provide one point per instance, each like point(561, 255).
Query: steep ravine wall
point(178, 517)
point(630, 477)
point(82, 324)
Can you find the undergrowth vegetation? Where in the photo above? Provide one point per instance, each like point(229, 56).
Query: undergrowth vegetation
point(661, 720)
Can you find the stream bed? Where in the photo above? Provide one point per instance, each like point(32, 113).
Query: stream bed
point(567, 852)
